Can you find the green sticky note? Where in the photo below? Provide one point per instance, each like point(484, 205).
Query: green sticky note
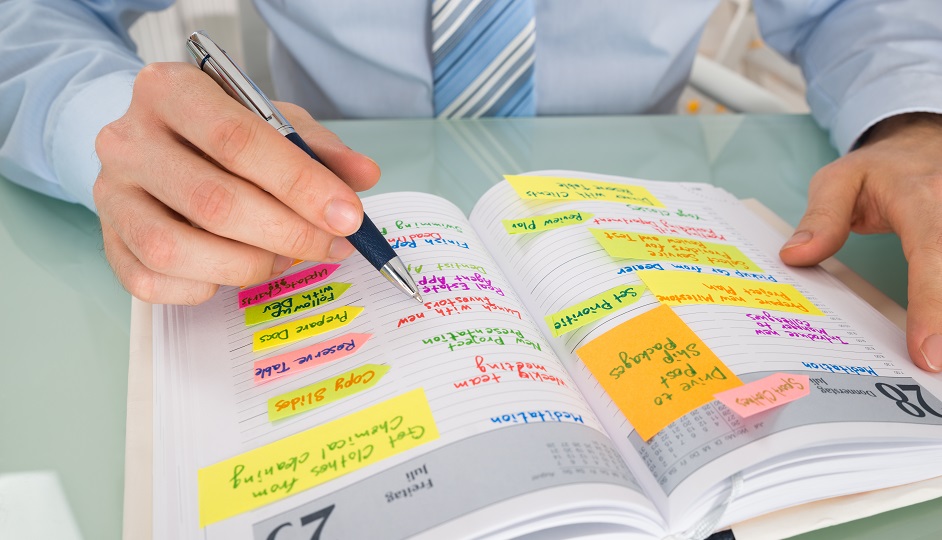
point(545, 222)
point(593, 309)
point(323, 392)
point(295, 303)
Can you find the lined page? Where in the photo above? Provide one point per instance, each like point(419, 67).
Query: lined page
point(482, 362)
point(847, 352)
point(397, 342)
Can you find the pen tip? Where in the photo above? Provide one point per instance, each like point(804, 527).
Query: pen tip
point(418, 297)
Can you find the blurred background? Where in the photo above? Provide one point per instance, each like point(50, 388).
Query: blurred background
point(734, 70)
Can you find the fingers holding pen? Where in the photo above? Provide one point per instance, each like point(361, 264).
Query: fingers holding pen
point(230, 207)
point(197, 191)
point(357, 170)
point(146, 284)
point(164, 243)
point(241, 142)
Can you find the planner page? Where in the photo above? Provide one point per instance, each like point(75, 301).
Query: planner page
point(660, 296)
point(326, 400)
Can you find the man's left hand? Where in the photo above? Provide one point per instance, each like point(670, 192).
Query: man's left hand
point(890, 183)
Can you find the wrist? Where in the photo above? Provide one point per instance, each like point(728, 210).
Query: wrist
point(916, 124)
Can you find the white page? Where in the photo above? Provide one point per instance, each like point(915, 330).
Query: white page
point(209, 409)
point(562, 267)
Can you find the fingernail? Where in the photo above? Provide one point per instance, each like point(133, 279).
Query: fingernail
point(800, 238)
point(362, 155)
point(932, 351)
point(343, 217)
point(281, 264)
point(340, 248)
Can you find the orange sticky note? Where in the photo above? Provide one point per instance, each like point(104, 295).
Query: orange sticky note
point(656, 369)
point(675, 288)
point(764, 394)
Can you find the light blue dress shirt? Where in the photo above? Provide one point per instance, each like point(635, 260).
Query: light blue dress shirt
point(67, 66)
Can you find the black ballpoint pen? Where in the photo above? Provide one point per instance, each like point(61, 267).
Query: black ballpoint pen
point(367, 239)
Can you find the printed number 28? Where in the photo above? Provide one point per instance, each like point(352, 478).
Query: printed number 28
point(321, 516)
point(898, 394)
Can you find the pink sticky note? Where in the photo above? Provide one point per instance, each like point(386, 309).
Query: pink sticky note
point(308, 357)
point(764, 394)
point(285, 284)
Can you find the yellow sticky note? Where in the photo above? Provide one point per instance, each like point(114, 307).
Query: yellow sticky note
point(304, 328)
point(545, 222)
point(655, 247)
point(296, 303)
point(555, 188)
point(656, 369)
point(310, 458)
point(323, 392)
point(593, 309)
point(679, 288)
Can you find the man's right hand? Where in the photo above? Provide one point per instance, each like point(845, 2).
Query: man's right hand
point(196, 191)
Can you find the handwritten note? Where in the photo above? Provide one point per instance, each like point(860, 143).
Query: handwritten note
point(296, 303)
point(674, 288)
point(569, 189)
point(323, 392)
point(790, 327)
point(493, 372)
point(629, 245)
point(402, 224)
point(496, 335)
point(593, 309)
point(431, 239)
point(458, 305)
point(304, 328)
point(655, 369)
point(310, 458)
point(304, 359)
point(764, 394)
point(662, 226)
point(459, 266)
point(284, 285)
point(545, 222)
point(432, 283)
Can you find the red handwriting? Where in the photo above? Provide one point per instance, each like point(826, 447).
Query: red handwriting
point(522, 370)
point(662, 226)
point(457, 305)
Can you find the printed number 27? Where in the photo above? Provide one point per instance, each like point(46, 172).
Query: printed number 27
point(321, 516)
point(902, 400)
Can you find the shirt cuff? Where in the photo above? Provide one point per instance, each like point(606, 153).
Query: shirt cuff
point(72, 148)
point(897, 93)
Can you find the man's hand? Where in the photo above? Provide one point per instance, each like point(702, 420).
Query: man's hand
point(195, 191)
point(892, 182)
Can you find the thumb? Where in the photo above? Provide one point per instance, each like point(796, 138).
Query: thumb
point(825, 226)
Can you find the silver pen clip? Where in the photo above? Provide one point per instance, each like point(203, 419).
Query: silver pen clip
point(216, 63)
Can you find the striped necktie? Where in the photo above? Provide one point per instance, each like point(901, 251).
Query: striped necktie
point(482, 54)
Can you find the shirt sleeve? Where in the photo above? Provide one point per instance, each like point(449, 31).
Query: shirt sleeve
point(863, 60)
point(67, 70)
